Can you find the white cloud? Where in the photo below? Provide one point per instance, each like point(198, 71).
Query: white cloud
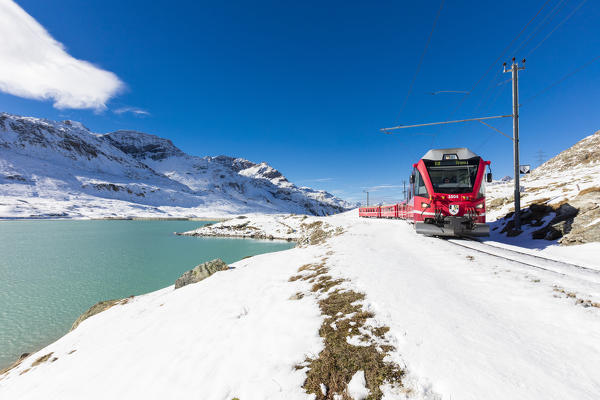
point(133, 110)
point(35, 66)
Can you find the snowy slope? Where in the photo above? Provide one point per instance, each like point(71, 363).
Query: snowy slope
point(564, 195)
point(558, 180)
point(464, 325)
point(50, 168)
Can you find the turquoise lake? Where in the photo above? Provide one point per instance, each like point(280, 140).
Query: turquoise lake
point(51, 271)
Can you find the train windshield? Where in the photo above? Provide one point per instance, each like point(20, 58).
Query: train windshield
point(452, 176)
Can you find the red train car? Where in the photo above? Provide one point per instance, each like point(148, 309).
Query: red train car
point(370, 212)
point(389, 211)
point(447, 195)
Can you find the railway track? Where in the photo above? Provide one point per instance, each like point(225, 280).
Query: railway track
point(534, 261)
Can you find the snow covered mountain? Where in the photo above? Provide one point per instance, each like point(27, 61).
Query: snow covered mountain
point(50, 168)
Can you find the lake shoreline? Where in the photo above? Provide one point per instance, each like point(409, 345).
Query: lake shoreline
point(143, 257)
point(56, 218)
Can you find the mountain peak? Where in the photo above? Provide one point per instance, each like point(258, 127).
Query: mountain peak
point(142, 145)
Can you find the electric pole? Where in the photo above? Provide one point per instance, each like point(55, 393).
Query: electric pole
point(404, 188)
point(541, 157)
point(367, 192)
point(514, 69)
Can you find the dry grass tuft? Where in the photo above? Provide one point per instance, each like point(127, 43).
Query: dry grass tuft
point(41, 360)
point(324, 283)
point(339, 360)
point(306, 267)
point(589, 190)
point(578, 301)
point(315, 233)
point(297, 296)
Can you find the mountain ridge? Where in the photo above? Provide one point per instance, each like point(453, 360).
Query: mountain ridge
point(50, 168)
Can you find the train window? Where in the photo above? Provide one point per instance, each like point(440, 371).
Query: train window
point(481, 192)
point(420, 188)
point(457, 178)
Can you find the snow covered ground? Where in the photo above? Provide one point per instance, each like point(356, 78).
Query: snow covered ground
point(277, 226)
point(465, 325)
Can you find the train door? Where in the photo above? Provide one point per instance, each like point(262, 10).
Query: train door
point(420, 197)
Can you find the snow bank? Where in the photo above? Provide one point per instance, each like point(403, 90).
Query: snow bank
point(236, 334)
point(290, 227)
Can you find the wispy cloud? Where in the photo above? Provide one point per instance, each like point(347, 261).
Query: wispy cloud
point(35, 66)
point(317, 180)
point(381, 187)
point(134, 110)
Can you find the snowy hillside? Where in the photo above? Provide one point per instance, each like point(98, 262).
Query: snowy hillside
point(364, 307)
point(571, 180)
point(50, 168)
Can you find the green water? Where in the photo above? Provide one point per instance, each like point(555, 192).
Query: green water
point(52, 271)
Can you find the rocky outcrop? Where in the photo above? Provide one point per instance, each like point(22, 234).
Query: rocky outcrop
point(200, 272)
point(575, 222)
point(98, 308)
point(143, 145)
point(585, 226)
point(559, 225)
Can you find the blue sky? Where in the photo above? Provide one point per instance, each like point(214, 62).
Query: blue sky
point(306, 86)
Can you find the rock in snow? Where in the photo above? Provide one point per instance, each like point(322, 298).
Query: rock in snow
point(50, 169)
point(200, 272)
point(98, 308)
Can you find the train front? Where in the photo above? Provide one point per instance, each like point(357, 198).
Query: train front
point(448, 193)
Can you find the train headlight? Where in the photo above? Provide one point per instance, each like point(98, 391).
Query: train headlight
point(425, 205)
point(479, 206)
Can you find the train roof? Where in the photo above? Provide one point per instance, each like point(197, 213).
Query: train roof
point(462, 153)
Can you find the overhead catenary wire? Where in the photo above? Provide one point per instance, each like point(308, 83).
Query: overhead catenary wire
point(565, 77)
point(491, 100)
point(491, 86)
point(556, 27)
point(557, 8)
point(386, 130)
point(449, 91)
point(410, 88)
point(495, 63)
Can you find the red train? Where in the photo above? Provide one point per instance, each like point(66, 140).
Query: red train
point(446, 196)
